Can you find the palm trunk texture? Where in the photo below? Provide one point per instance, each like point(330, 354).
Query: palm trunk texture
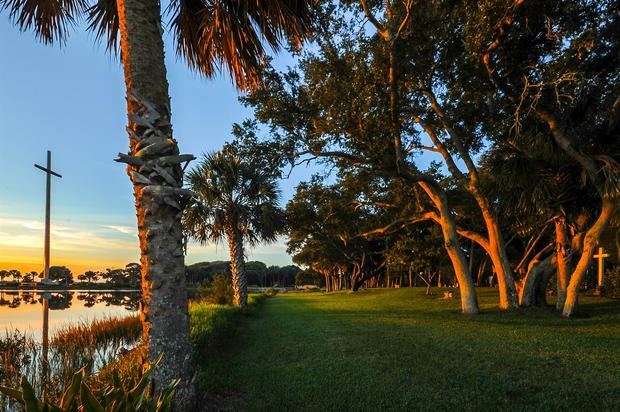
point(237, 268)
point(158, 195)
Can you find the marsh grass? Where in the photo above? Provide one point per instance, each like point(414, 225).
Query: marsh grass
point(90, 345)
point(94, 344)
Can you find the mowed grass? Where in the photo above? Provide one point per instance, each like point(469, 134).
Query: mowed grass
point(401, 350)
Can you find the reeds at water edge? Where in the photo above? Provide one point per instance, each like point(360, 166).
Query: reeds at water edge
point(91, 345)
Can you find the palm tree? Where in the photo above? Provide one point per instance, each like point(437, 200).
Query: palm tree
point(233, 200)
point(210, 35)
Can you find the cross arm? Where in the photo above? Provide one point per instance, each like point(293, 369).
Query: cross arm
point(47, 170)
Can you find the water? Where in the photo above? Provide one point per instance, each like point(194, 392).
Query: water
point(30, 319)
point(24, 310)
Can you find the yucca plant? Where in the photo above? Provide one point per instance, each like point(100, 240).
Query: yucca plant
point(118, 396)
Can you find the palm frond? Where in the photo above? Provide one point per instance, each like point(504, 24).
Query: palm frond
point(49, 19)
point(103, 20)
point(232, 195)
point(228, 35)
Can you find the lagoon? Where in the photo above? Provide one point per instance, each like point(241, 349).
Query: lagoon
point(23, 309)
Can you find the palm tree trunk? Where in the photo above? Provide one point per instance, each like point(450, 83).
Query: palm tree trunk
point(158, 195)
point(589, 244)
point(237, 268)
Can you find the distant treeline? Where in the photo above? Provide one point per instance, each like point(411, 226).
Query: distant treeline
point(127, 277)
point(258, 274)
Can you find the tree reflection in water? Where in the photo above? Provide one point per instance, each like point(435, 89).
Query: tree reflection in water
point(51, 361)
point(64, 300)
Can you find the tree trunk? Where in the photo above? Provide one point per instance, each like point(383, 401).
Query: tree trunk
point(471, 256)
point(563, 252)
point(356, 282)
point(540, 297)
point(410, 277)
point(537, 273)
point(469, 301)
point(589, 244)
point(237, 267)
point(158, 196)
point(508, 297)
point(481, 270)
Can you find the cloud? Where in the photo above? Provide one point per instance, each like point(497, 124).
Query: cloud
point(126, 230)
point(23, 233)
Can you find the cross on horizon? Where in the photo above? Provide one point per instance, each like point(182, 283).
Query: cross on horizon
point(601, 255)
point(48, 189)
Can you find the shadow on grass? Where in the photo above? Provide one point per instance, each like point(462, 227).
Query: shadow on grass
point(399, 350)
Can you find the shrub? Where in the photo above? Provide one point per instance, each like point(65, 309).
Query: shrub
point(611, 283)
point(219, 291)
point(271, 292)
point(119, 396)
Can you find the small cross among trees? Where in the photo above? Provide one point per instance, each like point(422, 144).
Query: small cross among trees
point(48, 188)
point(601, 255)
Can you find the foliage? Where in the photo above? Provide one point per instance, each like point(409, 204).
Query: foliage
point(29, 277)
point(118, 397)
point(205, 271)
point(218, 291)
point(308, 277)
point(89, 276)
point(323, 236)
point(611, 282)
point(257, 272)
point(221, 35)
point(231, 195)
point(60, 274)
point(130, 276)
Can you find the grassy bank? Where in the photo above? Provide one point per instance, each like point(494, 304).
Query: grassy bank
point(213, 327)
point(401, 350)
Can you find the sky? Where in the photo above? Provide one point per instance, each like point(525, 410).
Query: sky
point(70, 100)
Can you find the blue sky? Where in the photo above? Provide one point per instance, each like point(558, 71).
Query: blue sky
point(71, 100)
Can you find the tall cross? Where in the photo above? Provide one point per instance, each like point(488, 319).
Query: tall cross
point(48, 189)
point(601, 255)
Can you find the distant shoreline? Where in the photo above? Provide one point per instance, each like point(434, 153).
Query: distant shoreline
point(69, 289)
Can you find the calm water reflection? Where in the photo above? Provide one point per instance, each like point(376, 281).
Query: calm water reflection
point(25, 310)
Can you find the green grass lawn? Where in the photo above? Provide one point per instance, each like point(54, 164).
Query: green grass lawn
point(401, 350)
